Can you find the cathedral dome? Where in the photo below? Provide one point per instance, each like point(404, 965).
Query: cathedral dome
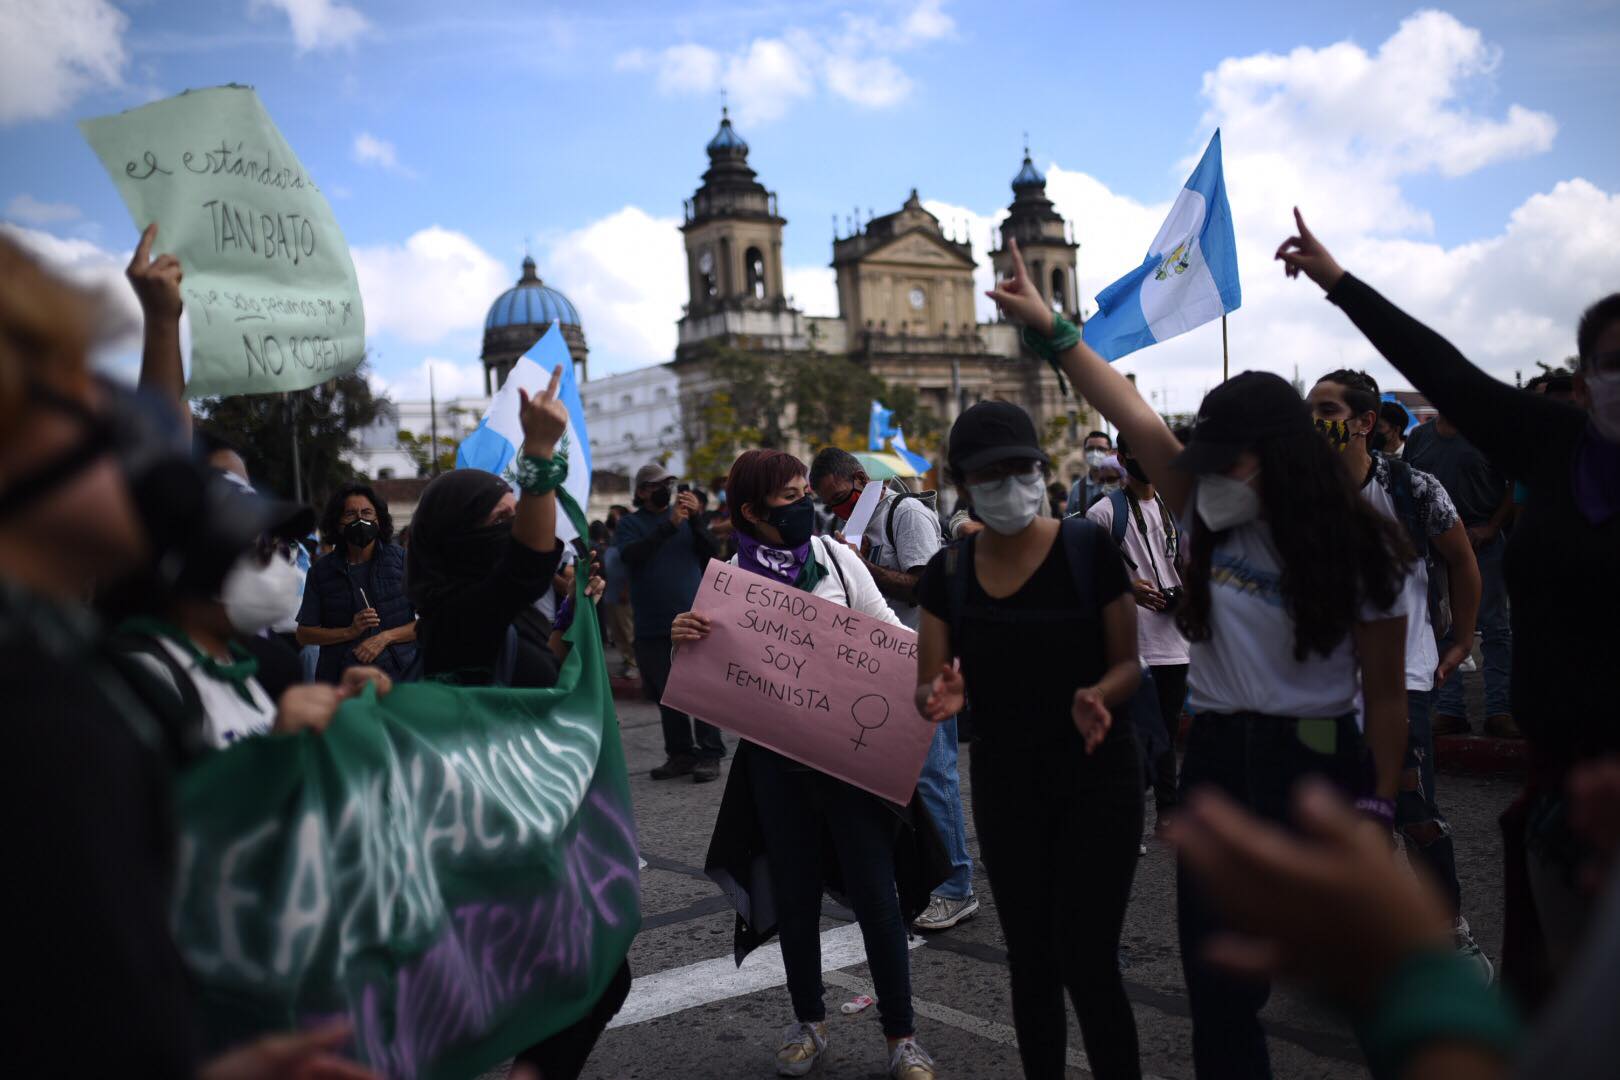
point(1029, 175)
point(727, 139)
point(530, 302)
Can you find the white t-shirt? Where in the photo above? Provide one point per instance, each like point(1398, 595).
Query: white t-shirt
point(227, 717)
point(1248, 664)
point(1436, 513)
point(1159, 641)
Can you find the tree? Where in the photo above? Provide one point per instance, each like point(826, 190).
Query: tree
point(420, 450)
point(326, 418)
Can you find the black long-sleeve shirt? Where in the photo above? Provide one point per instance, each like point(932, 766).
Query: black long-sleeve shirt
point(1562, 570)
point(467, 628)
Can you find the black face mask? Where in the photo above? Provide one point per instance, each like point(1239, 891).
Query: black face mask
point(659, 499)
point(474, 553)
point(360, 533)
point(1134, 467)
point(795, 521)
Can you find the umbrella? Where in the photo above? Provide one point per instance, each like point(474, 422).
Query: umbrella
point(884, 466)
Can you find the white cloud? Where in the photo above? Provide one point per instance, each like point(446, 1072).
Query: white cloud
point(812, 289)
point(626, 275)
point(449, 380)
point(852, 60)
point(51, 54)
point(319, 24)
point(437, 283)
point(370, 150)
point(31, 211)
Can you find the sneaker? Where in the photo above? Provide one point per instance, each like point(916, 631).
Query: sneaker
point(1467, 947)
point(1501, 726)
point(908, 1061)
point(1446, 724)
point(943, 913)
point(802, 1046)
point(677, 765)
point(705, 770)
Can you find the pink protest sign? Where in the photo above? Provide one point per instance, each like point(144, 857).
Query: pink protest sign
point(813, 680)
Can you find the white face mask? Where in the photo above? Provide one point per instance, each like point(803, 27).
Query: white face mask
point(1095, 458)
point(1222, 502)
point(256, 597)
point(1604, 390)
point(1009, 504)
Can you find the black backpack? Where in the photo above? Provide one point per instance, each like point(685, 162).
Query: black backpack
point(1078, 536)
point(894, 504)
point(1406, 511)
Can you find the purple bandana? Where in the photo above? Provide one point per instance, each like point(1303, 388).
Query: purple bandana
point(783, 564)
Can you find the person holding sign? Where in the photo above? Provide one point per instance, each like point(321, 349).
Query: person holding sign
point(1040, 617)
point(1293, 605)
point(792, 807)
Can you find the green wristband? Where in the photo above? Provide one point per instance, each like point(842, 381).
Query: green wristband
point(1434, 995)
point(540, 475)
point(1065, 336)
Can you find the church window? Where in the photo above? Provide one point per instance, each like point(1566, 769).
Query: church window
point(918, 298)
point(1058, 290)
point(706, 272)
point(756, 273)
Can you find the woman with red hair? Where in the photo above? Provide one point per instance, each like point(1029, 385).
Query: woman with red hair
point(780, 811)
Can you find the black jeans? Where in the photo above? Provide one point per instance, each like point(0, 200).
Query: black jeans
point(652, 657)
point(796, 805)
point(1058, 831)
point(1256, 760)
point(1170, 682)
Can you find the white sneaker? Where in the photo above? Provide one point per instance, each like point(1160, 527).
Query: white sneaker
point(942, 914)
point(911, 1062)
point(802, 1046)
point(1466, 946)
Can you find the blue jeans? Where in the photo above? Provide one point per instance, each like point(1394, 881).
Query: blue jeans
point(1257, 761)
point(1496, 640)
point(1428, 835)
point(940, 789)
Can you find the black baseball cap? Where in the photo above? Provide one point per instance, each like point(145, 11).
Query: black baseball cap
point(1246, 409)
point(992, 431)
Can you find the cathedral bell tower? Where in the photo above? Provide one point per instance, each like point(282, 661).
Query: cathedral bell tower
point(1044, 238)
point(733, 235)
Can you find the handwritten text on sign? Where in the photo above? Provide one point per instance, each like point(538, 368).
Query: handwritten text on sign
point(269, 287)
point(811, 679)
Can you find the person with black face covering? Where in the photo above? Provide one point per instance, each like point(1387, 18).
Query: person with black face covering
point(355, 606)
point(666, 545)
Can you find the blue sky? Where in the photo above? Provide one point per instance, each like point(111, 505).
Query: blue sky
point(1446, 150)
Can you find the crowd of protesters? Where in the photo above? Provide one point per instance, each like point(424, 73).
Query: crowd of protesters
point(1292, 588)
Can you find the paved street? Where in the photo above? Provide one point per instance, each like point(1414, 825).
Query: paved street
point(692, 1014)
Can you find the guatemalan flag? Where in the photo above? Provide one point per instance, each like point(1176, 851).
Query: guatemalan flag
point(494, 444)
point(1189, 277)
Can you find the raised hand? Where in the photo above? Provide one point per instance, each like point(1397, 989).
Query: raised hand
point(1019, 299)
point(1304, 252)
point(685, 506)
point(156, 281)
point(544, 418)
point(1091, 716)
point(947, 695)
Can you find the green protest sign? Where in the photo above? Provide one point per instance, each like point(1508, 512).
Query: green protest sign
point(451, 869)
point(269, 286)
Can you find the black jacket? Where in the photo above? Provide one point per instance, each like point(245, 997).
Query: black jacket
point(736, 859)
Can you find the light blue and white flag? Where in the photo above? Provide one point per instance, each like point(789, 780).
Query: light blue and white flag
point(880, 427)
point(494, 444)
point(1190, 275)
point(897, 443)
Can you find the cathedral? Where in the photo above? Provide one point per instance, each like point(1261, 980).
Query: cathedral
point(906, 305)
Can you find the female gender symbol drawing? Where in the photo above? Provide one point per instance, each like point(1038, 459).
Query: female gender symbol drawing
point(870, 711)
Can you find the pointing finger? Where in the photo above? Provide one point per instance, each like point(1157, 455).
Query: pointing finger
point(143, 250)
point(1019, 273)
point(556, 381)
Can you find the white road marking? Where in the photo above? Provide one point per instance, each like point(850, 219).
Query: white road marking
point(678, 989)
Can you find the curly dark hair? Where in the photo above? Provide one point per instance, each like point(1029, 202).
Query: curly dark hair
point(332, 516)
point(1336, 550)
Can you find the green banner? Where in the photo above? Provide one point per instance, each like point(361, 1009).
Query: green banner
point(269, 286)
point(452, 869)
